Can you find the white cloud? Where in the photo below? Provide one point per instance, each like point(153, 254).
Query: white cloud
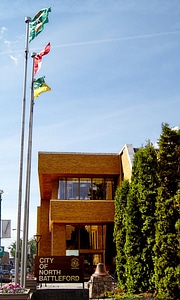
point(15, 59)
point(10, 50)
point(6, 42)
point(2, 30)
point(116, 39)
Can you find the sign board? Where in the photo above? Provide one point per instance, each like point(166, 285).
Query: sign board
point(59, 269)
point(6, 229)
point(1, 251)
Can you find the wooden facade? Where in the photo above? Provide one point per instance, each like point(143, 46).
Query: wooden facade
point(79, 223)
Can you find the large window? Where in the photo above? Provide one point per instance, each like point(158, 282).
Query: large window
point(85, 237)
point(86, 188)
point(72, 188)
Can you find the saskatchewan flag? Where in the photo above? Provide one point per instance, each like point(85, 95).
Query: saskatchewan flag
point(40, 87)
point(37, 23)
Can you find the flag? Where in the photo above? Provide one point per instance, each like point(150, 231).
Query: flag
point(37, 23)
point(40, 87)
point(38, 58)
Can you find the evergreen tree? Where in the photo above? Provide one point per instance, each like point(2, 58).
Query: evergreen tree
point(140, 220)
point(120, 231)
point(133, 266)
point(110, 247)
point(147, 188)
point(169, 160)
point(177, 227)
point(167, 214)
point(147, 220)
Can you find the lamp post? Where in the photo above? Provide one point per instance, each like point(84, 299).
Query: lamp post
point(37, 238)
point(1, 192)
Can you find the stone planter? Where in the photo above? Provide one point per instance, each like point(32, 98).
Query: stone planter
point(23, 296)
point(98, 285)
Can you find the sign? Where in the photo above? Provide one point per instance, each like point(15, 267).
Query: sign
point(59, 269)
point(6, 229)
point(72, 252)
point(1, 251)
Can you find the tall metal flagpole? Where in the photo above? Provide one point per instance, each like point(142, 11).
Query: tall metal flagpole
point(27, 192)
point(17, 257)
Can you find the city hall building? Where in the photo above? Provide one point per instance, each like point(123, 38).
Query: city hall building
point(76, 212)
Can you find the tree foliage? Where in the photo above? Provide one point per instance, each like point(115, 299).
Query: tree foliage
point(31, 252)
point(140, 220)
point(166, 246)
point(169, 160)
point(133, 223)
point(147, 220)
point(120, 231)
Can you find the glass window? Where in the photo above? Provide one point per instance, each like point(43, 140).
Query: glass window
point(77, 237)
point(62, 189)
point(109, 189)
point(98, 189)
point(85, 186)
point(73, 188)
point(70, 244)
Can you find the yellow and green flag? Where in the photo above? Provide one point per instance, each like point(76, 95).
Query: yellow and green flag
point(37, 23)
point(40, 87)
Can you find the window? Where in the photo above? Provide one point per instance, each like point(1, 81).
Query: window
point(73, 188)
point(77, 237)
point(62, 189)
point(86, 188)
point(98, 189)
point(85, 237)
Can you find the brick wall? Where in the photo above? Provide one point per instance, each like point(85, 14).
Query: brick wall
point(82, 211)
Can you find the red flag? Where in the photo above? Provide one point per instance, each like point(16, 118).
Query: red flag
point(38, 58)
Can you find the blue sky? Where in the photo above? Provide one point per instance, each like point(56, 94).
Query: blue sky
point(114, 73)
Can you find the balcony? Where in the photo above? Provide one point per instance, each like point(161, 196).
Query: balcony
point(81, 211)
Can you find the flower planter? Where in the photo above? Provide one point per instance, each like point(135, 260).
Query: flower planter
point(14, 296)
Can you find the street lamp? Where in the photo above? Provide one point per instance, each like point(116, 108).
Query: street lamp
point(37, 238)
point(1, 192)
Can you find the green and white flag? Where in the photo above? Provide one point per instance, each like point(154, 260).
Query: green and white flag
point(37, 23)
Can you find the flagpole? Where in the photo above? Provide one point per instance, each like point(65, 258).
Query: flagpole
point(27, 185)
point(17, 256)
